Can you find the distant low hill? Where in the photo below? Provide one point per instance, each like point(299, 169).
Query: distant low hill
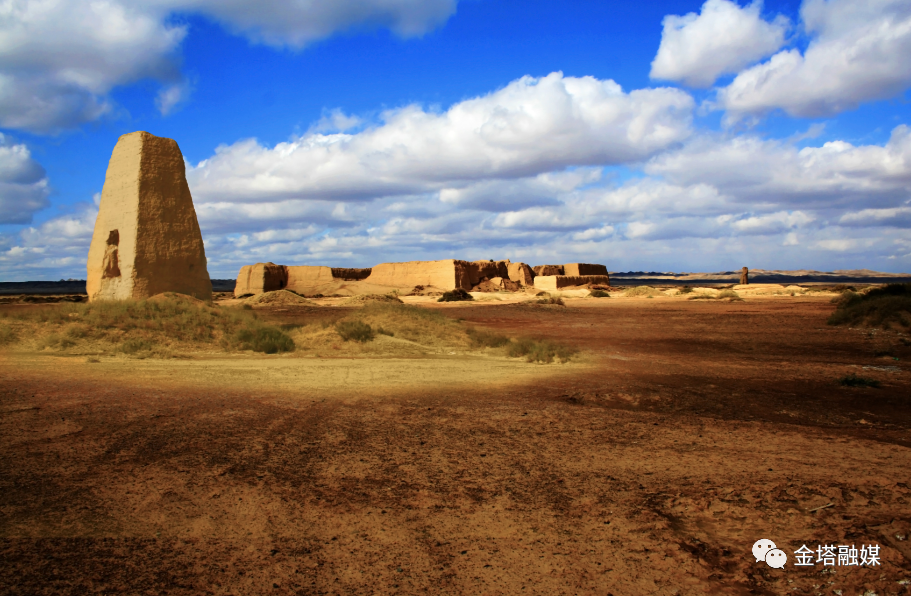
point(77, 286)
point(761, 276)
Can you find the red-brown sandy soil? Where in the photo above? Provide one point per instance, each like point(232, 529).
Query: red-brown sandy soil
point(696, 429)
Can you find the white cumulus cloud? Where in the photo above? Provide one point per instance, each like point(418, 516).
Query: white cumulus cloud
point(23, 183)
point(297, 23)
point(723, 39)
point(59, 59)
point(858, 52)
point(531, 126)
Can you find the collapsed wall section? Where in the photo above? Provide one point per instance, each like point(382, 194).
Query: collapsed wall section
point(261, 277)
point(548, 270)
point(555, 282)
point(447, 274)
point(521, 273)
point(577, 269)
point(348, 274)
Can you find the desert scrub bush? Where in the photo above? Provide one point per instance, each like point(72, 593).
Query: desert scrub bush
point(386, 332)
point(685, 290)
point(538, 350)
point(876, 308)
point(412, 323)
point(599, 294)
point(163, 321)
point(56, 341)
point(355, 331)
point(457, 295)
point(556, 300)
point(485, 339)
point(642, 291)
point(703, 296)
point(266, 339)
point(853, 380)
point(135, 346)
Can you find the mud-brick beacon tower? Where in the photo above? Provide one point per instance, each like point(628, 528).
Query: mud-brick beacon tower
point(147, 238)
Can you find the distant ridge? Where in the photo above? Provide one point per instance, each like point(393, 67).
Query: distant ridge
point(77, 286)
point(764, 276)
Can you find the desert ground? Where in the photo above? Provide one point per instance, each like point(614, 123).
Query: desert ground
point(680, 433)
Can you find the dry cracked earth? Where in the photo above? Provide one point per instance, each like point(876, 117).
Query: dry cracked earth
point(684, 433)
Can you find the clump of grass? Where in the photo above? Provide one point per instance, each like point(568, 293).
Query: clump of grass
point(685, 290)
point(599, 294)
point(703, 296)
point(456, 295)
point(642, 291)
point(539, 350)
point(387, 332)
point(412, 323)
point(266, 339)
point(853, 380)
point(56, 341)
point(878, 307)
point(135, 346)
point(7, 335)
point(555, 300)
point(355, 331)
point(485, 339)
point(149, 327)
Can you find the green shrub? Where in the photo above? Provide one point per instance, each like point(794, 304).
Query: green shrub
point(486, 339)
point(551, 300)
point(266, 339)
point(355, 331)
point(853, 380)
point(599, 294)
point(457, 295)
point(539, 351)
point(878, 307)
point(686, 290)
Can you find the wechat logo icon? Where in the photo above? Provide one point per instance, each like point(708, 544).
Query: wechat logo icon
point(765, 550)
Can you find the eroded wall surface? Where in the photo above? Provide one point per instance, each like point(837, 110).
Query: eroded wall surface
point(555, 282)
point(146, 238)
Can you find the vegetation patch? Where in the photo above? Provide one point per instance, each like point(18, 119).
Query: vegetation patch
point(355, 331)
point(599, 294)
point(554, 300)
point(543, 351)
point(361, 299)
point(729, 295)
point(853, 380)
point(152, 327)
point(647, 291)
point(456, 295)
point(268, 340)
point(879, 307)
point(486, 339)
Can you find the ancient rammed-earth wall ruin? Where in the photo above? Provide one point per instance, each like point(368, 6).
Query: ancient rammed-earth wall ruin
point(442, 275)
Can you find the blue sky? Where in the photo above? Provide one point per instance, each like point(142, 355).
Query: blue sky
point(684, 136)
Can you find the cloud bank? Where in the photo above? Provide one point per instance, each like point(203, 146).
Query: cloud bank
point(857, 53)
point(722, 39)
point(59, 59)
